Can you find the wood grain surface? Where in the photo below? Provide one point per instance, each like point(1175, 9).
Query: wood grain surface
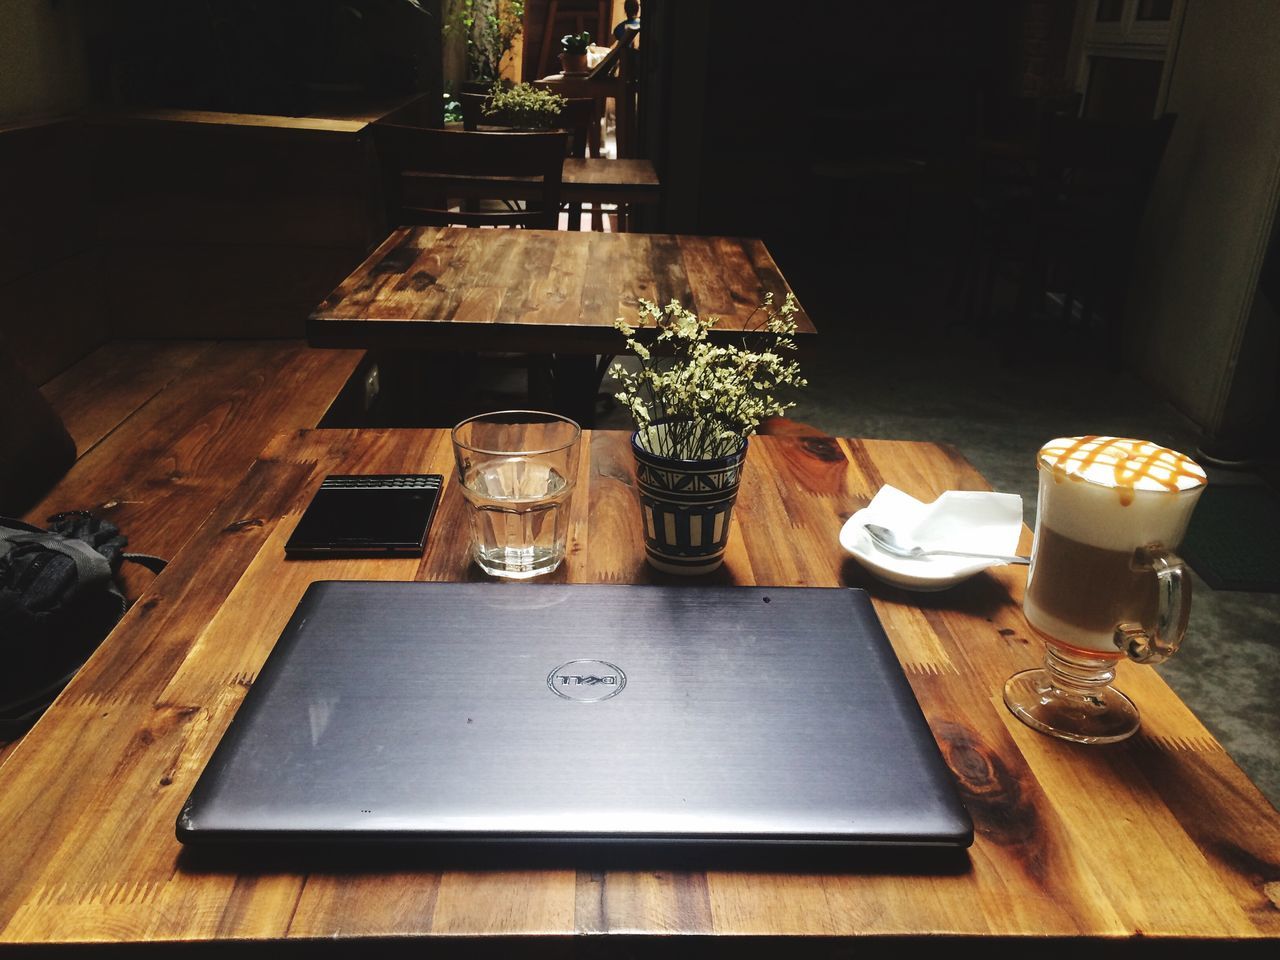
point(1159, 837)
point(164, 430)
point(540, 290)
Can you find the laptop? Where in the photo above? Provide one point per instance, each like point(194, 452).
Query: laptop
point(552, 714)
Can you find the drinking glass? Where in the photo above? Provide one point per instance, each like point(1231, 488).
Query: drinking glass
point(517, 469)
point(1104, 582)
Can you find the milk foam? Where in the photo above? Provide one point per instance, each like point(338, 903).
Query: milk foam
point(1123, 463)
point(1116, 493)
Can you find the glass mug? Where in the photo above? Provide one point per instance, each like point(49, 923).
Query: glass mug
point(1104, 582)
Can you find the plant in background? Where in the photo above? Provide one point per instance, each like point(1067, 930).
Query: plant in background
point(573, 52)
point(523, 105)
point(576, 43)
point(693, 399)
point(490, 27)
point(452, 109)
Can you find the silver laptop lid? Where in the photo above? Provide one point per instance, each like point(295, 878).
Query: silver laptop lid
point(524, 713)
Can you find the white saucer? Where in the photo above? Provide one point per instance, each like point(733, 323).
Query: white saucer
point(960, 520)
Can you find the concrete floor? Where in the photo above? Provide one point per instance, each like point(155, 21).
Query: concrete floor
point(895, 364)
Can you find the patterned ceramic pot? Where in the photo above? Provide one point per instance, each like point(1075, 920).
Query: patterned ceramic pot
point(685, 506)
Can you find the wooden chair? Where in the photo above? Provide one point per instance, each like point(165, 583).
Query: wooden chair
point(1092, 183)
point(1073, 232)
point(424, 170)
point(612, 78)
point(575, 120)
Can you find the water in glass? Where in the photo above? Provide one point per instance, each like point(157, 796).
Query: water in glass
point(519, 518)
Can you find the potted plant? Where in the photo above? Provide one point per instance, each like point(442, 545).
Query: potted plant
point(523, 106)
point(489, 29)
point(573, 52)
point(694, 404)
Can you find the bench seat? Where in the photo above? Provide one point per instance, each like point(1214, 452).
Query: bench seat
point(165, 429)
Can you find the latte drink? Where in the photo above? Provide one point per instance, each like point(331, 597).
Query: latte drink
point(1102, 501)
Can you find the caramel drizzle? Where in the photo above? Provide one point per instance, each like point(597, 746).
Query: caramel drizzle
point(1173, 465)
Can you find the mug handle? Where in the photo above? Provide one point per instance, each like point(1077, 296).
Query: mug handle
point(1173, 609)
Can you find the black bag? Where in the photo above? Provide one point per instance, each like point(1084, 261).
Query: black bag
point(58, 600)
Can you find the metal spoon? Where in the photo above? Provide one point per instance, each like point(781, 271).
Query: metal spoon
point(886, 540)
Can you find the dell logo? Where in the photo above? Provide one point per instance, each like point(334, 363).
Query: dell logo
point(587, 681)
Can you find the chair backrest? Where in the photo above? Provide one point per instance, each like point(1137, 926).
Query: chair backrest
point(575, 119)
point(425, 169)
point(599, 85)
point(619, 61)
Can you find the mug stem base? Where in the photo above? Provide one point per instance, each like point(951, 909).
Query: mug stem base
point(1071, 698)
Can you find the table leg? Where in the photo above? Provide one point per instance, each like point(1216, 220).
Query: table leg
point(574, 387)
point(594, 141)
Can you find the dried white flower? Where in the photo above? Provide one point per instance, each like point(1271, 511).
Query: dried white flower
point(696, 400)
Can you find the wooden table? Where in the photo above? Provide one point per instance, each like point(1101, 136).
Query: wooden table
point(550, 291)
point(1159, 837)
point(543, 292)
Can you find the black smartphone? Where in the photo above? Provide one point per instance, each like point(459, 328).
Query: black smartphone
point(371, 515)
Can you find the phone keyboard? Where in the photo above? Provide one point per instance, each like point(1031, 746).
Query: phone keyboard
point(383, 481)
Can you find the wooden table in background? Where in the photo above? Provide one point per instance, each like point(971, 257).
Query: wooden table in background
point(550, 291)
point(1157, 838)
point(544, 292)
